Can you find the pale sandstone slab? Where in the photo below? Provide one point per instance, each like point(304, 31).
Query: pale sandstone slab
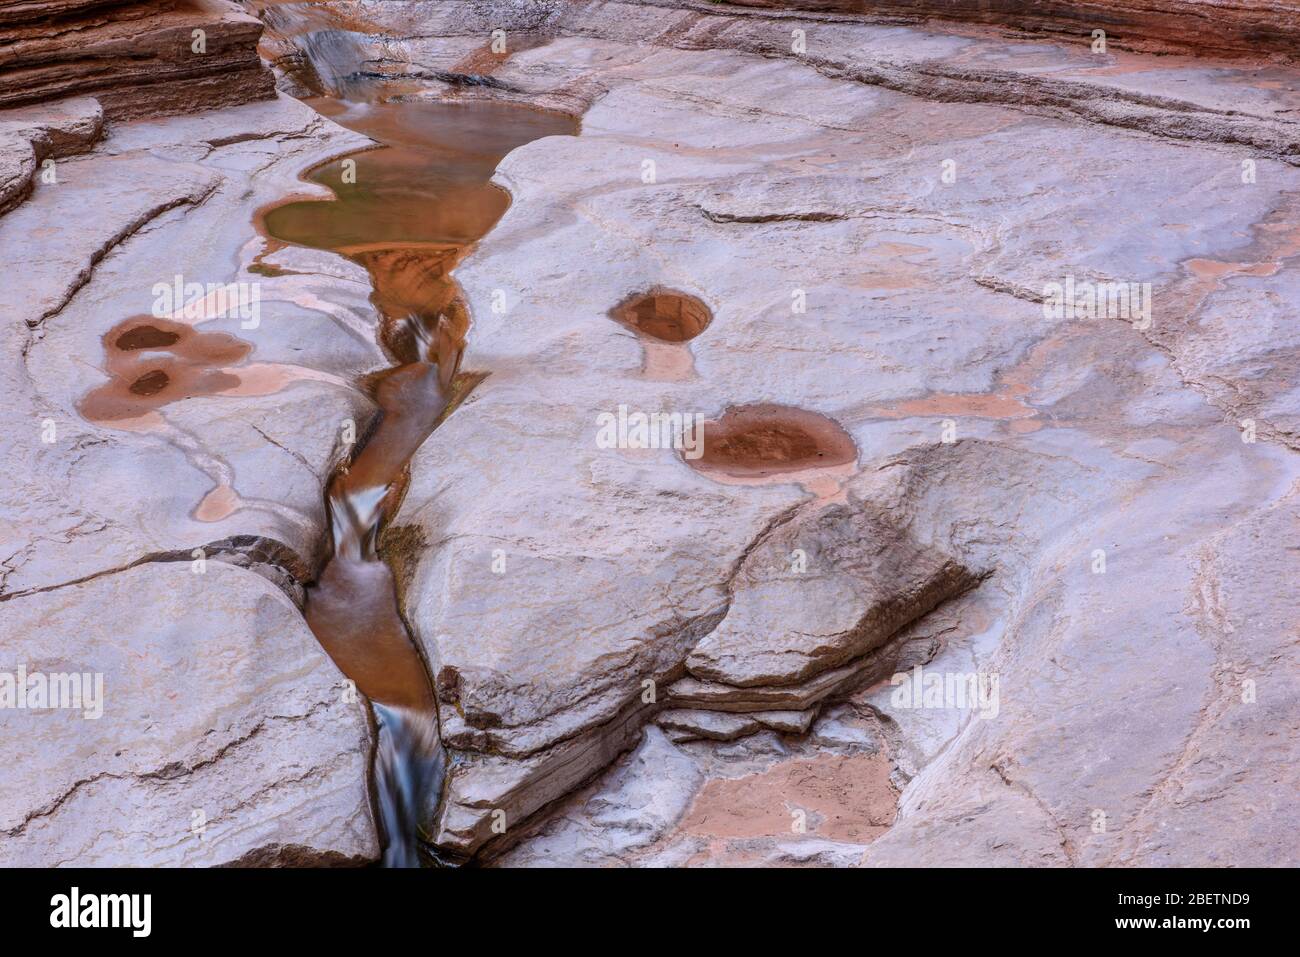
point(29, 137)
point(820, 590)
point(101, 522)
point(934, 250)
point(156, 200)
point(225, 734)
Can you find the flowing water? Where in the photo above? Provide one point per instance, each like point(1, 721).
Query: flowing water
point(329, 48)
point(406, 212)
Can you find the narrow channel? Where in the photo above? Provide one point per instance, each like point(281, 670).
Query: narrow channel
point(407, 211)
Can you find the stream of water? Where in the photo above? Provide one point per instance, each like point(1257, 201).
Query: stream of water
point(407, 212)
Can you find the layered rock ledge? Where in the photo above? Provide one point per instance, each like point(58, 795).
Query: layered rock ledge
point(1207, 27)
point(137, 59)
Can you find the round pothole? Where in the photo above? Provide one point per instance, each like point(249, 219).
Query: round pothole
point(141, 380)
point(754, 441)
point(663, 314)
point(145, 337)
point(151, 383)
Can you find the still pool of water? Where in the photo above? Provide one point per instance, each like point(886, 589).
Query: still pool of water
point(409, 209)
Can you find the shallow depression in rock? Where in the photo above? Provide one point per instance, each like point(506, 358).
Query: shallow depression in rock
point(663, 314)
point(145, 337)
point(152, 362)
point(757, 441)
point(408, 210)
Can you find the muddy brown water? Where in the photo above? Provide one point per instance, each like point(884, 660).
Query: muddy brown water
point(407, 212)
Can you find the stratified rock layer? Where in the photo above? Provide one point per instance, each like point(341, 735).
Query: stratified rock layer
point(819, 592)
point(1210, 27)
point(137, 59)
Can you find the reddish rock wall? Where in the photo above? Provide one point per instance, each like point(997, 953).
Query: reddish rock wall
point(137, 59)
point(1207, 27)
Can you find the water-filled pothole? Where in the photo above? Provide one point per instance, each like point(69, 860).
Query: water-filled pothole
point(153, 362)
point(663, 314)
point(758, 441)
point(151, 383)
point(145, 337)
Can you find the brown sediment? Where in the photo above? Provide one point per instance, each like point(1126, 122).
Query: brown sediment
point(153, 362)
point(843, 798)
point(665, 320)
point(1007, 401)
point(145, 337)
point(220, 503)
point(758, 441)
point(1005, 404)
point(667, 361)
point(1275, 241)
point(484, 60)
point(663, 314)
point(1213, 269)
point(151, 383)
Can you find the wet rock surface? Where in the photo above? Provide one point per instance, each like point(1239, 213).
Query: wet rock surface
point(1079, 524)
point(164, 505)
point(1006, 439)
